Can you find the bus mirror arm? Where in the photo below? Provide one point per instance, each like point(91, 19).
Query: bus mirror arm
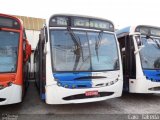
point(138, 50)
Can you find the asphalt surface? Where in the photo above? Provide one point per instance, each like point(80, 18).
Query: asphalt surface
point(33, 107)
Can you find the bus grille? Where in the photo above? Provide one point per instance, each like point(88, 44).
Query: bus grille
point(82, 96)
point(2, 99)
point(154, 88)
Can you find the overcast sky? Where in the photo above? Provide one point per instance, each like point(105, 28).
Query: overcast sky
point(121, 12)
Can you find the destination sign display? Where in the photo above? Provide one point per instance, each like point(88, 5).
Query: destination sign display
point(155, 32)
point(9, 23)
point(81, 22)
point(146, 30)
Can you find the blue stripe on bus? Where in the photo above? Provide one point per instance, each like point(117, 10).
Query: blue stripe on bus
point(73, 80)
point(153, 75)
point(43, 96)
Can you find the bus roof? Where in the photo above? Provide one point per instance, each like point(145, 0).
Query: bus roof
point(77, 15)
point(101, 22)
point(138, 28)
point(10, 21)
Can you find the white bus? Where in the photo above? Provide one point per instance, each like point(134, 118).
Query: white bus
point(78, 60)
point(140, 48)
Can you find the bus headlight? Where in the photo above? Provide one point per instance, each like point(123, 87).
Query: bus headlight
point(9, 83)
point(59, 84)
point(66, 86)
point(111, 82)
point(107, 84)
point(73, 86)
point(1, 87)
point(116, 80)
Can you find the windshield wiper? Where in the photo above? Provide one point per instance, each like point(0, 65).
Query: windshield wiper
point(97, 44)
point(116, 64)
point(78, 50)
point(157, 43)
point(88, 57)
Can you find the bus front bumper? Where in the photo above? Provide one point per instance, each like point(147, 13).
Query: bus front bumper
point(11, 95)
point(57, 95)
point(142, 85)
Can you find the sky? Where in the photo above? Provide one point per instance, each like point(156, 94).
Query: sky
point(121, 12)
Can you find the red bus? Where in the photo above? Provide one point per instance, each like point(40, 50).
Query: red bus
point(14, 60)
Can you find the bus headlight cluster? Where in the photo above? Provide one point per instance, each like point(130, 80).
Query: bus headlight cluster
point(59, 84)
point(9, 83)
point(1, 87)
point(111, 82)
point(66, 85)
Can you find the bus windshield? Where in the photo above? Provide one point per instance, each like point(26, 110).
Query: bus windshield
point(150, 53)
point(77, 50)
point(8, 51)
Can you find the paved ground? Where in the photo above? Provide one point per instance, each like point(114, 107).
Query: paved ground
point(127, 104)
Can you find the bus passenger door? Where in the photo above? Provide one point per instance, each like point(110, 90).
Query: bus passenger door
point(41, 64)
point(124, 47)
point(132, 60)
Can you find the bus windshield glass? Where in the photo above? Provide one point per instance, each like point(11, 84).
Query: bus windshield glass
point(8, 51)
point(150, 53)
point(77, 50)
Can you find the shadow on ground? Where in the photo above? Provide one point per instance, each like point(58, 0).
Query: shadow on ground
point(128, 103)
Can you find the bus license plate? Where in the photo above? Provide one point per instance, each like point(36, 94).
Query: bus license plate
point(91, 93)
